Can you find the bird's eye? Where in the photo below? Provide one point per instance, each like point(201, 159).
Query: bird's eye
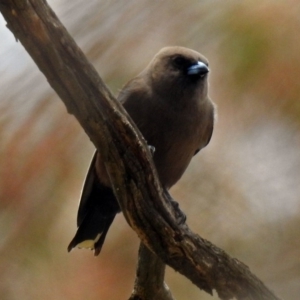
point(179, 61)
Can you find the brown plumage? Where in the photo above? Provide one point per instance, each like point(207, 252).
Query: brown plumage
point(169, 103)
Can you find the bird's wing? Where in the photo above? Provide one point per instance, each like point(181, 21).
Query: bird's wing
point(87, 190)
point(97, 209)
point(209, 131)
point(136, 99)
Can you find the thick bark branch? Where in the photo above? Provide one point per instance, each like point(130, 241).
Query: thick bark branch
point(145, 206)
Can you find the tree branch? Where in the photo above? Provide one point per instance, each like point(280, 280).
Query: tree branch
point(145, 206)
point(149, 281)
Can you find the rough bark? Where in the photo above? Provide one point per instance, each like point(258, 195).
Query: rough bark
point(149, 281)
point(145, 206)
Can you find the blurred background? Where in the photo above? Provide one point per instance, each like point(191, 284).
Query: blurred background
point(241, 192)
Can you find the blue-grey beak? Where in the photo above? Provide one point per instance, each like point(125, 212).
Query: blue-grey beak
point(199, 68)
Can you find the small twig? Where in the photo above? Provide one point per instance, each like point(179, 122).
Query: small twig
point(149, 282)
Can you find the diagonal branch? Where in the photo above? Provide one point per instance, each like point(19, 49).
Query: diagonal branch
point(145, 206)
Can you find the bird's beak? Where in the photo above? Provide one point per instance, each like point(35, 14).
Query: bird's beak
point(199, 68)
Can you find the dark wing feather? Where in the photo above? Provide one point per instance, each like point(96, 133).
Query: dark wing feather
point(209, 130)
point(97, 210)
point(86, 191)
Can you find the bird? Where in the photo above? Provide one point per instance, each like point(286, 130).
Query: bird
point(169, 103)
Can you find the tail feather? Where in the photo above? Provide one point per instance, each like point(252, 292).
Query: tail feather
point(97, 210)
point(92, 231)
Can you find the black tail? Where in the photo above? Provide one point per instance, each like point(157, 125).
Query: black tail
point(97, 210)
point(92, 231)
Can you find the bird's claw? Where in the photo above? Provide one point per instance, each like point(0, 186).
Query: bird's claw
point(179, 214)
point(151, 149)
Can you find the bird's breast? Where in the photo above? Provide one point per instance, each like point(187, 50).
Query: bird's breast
point(176, 140)
point(176, 134)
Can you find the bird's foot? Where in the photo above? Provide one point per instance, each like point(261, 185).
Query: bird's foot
point(179, 214)
point(151, 149)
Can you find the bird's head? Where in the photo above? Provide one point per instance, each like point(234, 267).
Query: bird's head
point(179, 71)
